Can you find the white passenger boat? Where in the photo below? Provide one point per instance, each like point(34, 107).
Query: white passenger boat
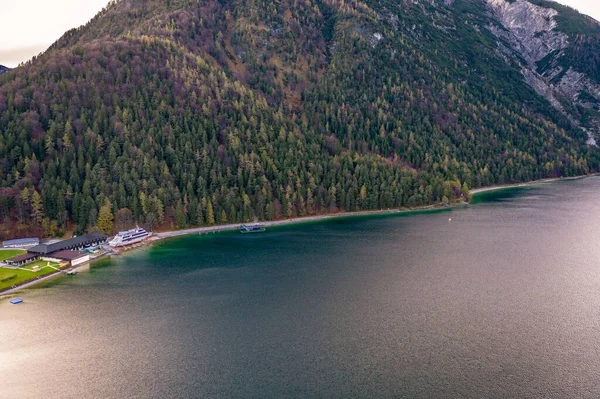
point(129, 237)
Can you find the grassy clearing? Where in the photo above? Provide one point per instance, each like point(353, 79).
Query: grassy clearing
point(10, 277)
point(10, 253)
point(42, 264)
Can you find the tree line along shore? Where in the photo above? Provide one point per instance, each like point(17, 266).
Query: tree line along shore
point(161, 235)
point(444, 205)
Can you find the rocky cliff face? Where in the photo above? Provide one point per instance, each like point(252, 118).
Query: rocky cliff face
point(529, 35)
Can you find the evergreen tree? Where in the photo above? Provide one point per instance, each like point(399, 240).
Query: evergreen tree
point(200, 215)
point(180, 218)
point(37, 211)
point(223, 218)
point(106, 218)
point(210, 215)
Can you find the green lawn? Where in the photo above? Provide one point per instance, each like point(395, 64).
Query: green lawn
point(10, 253)
point(22, 275)
point(42, 264)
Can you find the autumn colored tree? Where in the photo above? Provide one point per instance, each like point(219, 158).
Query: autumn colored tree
point(106, 218)
point(210, 214)
point(37, 210)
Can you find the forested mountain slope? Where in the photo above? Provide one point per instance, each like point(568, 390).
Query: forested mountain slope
point(191, 112)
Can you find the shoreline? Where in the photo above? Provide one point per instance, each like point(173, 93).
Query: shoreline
point(160, 236)
point(298, 220)
point(31, 283)
point(55, 274)
point(526, 184)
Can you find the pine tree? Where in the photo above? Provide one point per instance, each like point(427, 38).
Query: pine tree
point(23, 205)
point(180, 215)
point(106, 219)
point(200, 215)
point(223, 219)
point(37, 210)
point(466, 192)
point(332, 199)
point(67, 137)
point(270, 211)
point(310, 202)
point(362, 199)
point(159, 209)
point(210, 214)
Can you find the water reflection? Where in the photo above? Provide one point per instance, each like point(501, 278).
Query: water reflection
point(501, 302)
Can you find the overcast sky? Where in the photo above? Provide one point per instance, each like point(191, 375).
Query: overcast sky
point(28, 27)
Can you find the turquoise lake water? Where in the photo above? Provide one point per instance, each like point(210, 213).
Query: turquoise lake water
point(501, 301)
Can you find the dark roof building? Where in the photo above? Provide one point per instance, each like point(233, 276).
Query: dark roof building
point(21, 242)
point(72, 243)
point(22, 259)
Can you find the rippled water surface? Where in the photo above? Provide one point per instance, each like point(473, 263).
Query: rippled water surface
point(502, 301)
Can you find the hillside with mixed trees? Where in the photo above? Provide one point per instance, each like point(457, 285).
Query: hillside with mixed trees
point(195, 112)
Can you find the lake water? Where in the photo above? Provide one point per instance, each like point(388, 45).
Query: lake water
point(502, 301)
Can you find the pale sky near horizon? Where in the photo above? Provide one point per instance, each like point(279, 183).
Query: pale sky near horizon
point(28, 27)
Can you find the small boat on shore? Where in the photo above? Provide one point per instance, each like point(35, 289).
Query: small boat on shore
point(16, 301)
point(252, 228)
point(71, 272)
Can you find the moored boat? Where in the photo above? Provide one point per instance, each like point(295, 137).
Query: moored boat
point(129, 237)
point(252, 228)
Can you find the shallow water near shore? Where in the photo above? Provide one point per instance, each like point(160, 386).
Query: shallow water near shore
point(503, 300)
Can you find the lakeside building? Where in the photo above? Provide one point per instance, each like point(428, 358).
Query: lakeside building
point(74, 258)
point(22, 260)
point(74, 244)
point(21, 243)
point(67, 251)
